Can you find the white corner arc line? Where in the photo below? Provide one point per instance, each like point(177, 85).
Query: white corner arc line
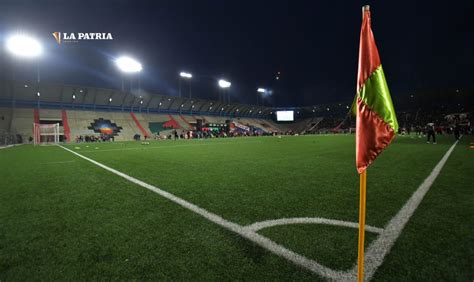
point(309, 220)
point(381, 246)
point(250, 235)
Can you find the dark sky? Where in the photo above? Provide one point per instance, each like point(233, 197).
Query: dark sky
point(314, 44)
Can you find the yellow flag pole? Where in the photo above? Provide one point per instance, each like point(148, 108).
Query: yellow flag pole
point(363, 184)
point(360, 257)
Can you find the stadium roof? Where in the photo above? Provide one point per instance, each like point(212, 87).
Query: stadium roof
point(24, 93)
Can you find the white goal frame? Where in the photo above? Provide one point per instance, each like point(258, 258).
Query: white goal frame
point(42, 133)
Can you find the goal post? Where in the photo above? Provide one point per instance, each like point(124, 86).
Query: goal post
point(46, 133)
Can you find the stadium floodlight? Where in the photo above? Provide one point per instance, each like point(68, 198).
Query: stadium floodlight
point(224, 84)
point(24, 46)
point(128, 65)
point(185, 74)
point(261, 90)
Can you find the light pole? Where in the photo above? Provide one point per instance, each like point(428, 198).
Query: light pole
point(262, 91)
point(188, 76)
point(224, 84)
point(128, 65)
point(25, 47)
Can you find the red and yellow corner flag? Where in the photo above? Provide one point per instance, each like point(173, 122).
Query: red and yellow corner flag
point(376, 123)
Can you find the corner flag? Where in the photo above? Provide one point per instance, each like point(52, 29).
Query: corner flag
point(376, 123)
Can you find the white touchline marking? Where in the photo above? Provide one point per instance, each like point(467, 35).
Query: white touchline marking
point(375, 253)
point(309, 220)
point(379, 248)
point(258, 239)
point(61, 162)
point(9, 146)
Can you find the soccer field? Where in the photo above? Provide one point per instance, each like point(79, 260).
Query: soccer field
point(256, 208)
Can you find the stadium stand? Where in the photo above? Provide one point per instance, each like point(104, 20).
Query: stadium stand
point(22, 123)
point(5, 119)
point(81, 110)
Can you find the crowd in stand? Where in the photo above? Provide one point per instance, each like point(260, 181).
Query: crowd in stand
point(418, 122)
point(94, 138)
point(205, 134)
point(422, 124)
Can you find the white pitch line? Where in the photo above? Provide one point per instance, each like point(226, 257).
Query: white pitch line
point(379, 248)
point(309, 220)
point(256, 238)
point(9, 146)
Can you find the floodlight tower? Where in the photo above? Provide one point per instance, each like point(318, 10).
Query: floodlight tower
point(187, 76)
point(224, 84)
point(262, 91)
point(128, 65)
point(24, 46)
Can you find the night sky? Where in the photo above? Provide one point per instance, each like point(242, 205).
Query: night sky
point(313, 44)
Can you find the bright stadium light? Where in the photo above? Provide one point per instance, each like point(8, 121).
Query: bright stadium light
point(24, 46)
point(224, 83)
point(261, 90)
point(129, 65)
point(185, 75)
point(188, 76)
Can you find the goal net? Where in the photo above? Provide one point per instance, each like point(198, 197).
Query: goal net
point(46, 133)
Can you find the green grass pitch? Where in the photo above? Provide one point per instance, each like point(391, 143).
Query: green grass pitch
point(64, 218)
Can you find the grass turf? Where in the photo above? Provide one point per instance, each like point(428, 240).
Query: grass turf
point(63, 217)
